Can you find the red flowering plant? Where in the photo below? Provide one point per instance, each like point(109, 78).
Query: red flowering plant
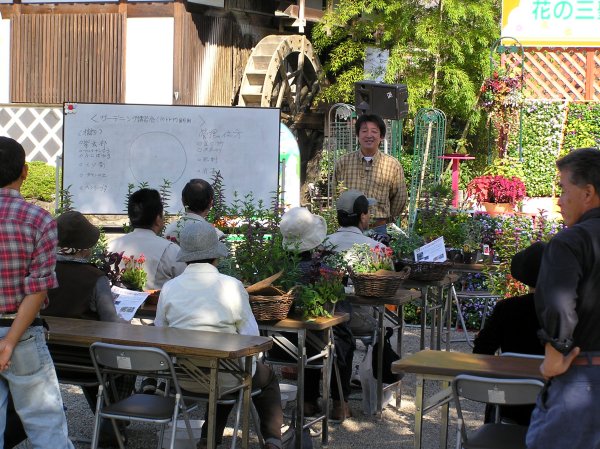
point(133, 275)
point(496, 189)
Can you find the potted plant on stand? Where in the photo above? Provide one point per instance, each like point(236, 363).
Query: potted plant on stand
point(497, 194)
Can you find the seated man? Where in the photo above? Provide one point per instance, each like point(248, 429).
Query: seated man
point(197, 197)
point(353, 217)
point(203, 299)
point(145, 210)
point(513, 325)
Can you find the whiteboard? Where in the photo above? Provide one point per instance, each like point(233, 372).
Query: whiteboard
point(106, 147)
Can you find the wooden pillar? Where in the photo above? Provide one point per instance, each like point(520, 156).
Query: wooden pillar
point(589, 73)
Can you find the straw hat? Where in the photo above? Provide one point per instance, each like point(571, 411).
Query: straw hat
point(302, 230)
point(198, 240)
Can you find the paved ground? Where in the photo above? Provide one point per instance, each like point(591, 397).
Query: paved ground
point(394, 430)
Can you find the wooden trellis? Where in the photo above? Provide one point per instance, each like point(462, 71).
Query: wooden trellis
point(560, 74)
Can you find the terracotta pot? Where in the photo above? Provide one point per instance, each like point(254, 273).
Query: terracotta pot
point(495, 209)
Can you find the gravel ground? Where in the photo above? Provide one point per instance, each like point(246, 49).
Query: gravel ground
point(393, 430)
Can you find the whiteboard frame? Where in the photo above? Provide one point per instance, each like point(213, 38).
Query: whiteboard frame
point(174, 206)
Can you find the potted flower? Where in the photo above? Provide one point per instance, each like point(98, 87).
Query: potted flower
point(372, 270)
point(490, 190)
point(133, 275)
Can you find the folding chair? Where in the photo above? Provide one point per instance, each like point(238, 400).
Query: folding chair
point(110, 360)
point(496, 392)
point(186, 370)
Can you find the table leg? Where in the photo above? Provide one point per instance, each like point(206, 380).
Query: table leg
point(246, 403)
point(451, 297)
point(420, 392)
point(300, 392)
point(399, 351)
point(440, 317)
point(326, 372)
point(380, 338)
point(424, 291)
point(433, 321)
point(212, 404)
point(444, 423)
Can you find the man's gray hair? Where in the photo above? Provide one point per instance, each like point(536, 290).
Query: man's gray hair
point(583, 166)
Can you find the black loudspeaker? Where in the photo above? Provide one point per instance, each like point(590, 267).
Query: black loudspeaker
point(389, 101)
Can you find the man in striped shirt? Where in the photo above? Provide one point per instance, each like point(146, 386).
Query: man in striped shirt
point(374, 173)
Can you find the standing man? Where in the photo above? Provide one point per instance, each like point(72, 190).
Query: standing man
point(568, 307)
point(28, 256)
point(197, 197)
point(145, 210)
point(374, 173)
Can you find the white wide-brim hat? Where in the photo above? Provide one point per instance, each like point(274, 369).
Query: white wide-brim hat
point(198, 240)
point(302, 230)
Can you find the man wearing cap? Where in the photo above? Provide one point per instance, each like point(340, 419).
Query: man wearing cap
point(201, 298)
point(378, 175)
point(84, 290)
point(145, 210)
point(28, 248)
point(353, 217)
point(566, 301)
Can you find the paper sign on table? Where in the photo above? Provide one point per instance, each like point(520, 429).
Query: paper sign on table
point(434, 251)
point(127, 301)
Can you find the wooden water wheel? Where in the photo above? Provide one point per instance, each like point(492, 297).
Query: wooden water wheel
point(282, 71)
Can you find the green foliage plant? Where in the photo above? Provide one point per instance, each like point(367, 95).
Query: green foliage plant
point(314, 299)
point(258, 251)
point(40, 183)
point(439, 50)
point(582, 127)
point(437, 218)
point(403, 244)
point(543, 128)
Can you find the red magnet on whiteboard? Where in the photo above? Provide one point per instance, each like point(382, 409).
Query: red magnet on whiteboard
point(69, 108)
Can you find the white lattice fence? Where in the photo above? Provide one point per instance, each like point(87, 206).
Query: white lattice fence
point(38, 128)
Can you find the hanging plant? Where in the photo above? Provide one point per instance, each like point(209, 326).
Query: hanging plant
point(501, 97)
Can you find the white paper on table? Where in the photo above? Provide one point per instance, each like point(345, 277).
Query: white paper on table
point(127, 301)
point(434, 251)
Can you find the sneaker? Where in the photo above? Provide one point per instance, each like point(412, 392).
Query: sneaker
point(148, 386)
point(161, 388)
point(341, 410)
point(312, 408)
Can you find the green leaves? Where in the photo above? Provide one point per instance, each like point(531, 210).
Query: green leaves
point(444, 44)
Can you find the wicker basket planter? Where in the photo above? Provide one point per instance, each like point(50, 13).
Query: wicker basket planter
point(381, 283)
point(426, 271)
point(271, 304)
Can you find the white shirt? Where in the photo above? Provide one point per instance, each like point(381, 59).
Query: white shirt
point(343, 239)
point(174, 228)
point(161, 255)
point(203, 299)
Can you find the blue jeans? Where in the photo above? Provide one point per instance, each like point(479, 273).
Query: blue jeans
point(33, 384)
point(567, 410)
